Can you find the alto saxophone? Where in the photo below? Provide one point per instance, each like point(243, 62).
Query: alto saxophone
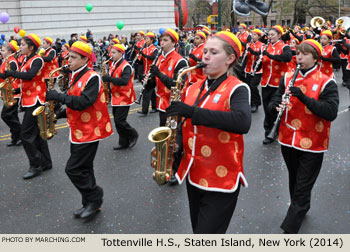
point(105, 84)
point(6, 87)
point(63, 79)
point(46, 113)
point(162, 155)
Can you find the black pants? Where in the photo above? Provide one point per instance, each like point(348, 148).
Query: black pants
point(10, 117)
point(35, 147)
point(303, 168)
point(267, 92)
point(253, 83)
point(149, 95)
point(210, 212)
point(346, 73)
point(80, 170)
point(125, 131)
point(139, 70)
point(162, 118)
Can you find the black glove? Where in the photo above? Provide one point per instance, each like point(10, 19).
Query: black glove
point(154, 70)
point(180, 109)
point(17, 91)
point(106, 78)
point(295, 91)
point(52, 95)
point(9, 73)
point(137, 48)
point(323, 58)
point(250, 50)
point(343, 41)
point(141, 53)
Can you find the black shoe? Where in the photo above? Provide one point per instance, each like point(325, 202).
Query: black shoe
point(241, 8)
point(32, 172)
point(254, 109)
point(142, 114)
point(15, 143)
point(132, 142)
point(47, 167)
point(120, 147)
point(268, 140)
point(259, 7)
point(77, 213)
point(153, 111)
point(91, 209)
point(173, 181)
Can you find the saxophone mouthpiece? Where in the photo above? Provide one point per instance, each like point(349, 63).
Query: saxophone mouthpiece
point(201, 65)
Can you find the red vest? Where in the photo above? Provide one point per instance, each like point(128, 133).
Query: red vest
point(122, 95)
point(91, 124)
point(63, 56)
point(166, 66)
point(148, 62)
point(243, 37)
point(273, 70)
point(196, 74)
point(300, 128)
point(343, 55)
point(140, 45)
point(34, 89)
point(15, 82)
point(251, 58)
point(326, 67)
point(50, 66)
point(212, 157)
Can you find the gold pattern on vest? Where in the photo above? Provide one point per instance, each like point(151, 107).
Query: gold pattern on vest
point(221, 171)
point(190, 143)
point(78, 134)
point(305, 143)
point(206, 151)
point(203, 182)
point(296, 123)
point(85, 117)
point(319, 126)
point(224, 137)
point(97, 131)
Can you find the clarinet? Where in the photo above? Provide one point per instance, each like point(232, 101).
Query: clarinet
point(133, 62)
point(260, 59)
point(147, 77)
point(245, 53)
point(285, 101)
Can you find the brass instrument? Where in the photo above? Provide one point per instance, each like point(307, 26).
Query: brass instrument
point(105, 84)
point(46, 113)
point(63, 79)
point(285, 101)
point(343, 23)
point(6, 86)
point(317, 22)
point(162, 155)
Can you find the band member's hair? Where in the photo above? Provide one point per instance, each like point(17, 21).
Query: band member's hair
point(306, 48)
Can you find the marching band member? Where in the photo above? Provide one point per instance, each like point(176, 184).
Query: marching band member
point(149, 53)
point(293, 46)
point(305, 128)
point(196, 56)
point(330, 54)
point(344, 52)
point(89, 122)
point(275, 64)
point(10, 114)
point(113, 42)
point(64, 54)
point(243, 35)
point(166, 70)
point(139, 64)
point(123, 96)
point(50, 59)
point(33, 90)
point(253, 78)
point(218, 114)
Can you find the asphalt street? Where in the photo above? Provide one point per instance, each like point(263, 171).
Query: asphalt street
point(134, 203)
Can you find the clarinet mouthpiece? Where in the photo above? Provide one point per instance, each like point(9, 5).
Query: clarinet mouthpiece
point(201, 65)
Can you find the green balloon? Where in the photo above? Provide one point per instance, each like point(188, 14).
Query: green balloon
point(120, 25)
point(88, 7)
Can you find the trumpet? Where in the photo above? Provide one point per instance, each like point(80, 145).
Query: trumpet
point(6, 87)
point(162, 155)
point(46, 113)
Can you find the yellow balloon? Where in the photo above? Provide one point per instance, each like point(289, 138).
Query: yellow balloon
point(22, 33)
